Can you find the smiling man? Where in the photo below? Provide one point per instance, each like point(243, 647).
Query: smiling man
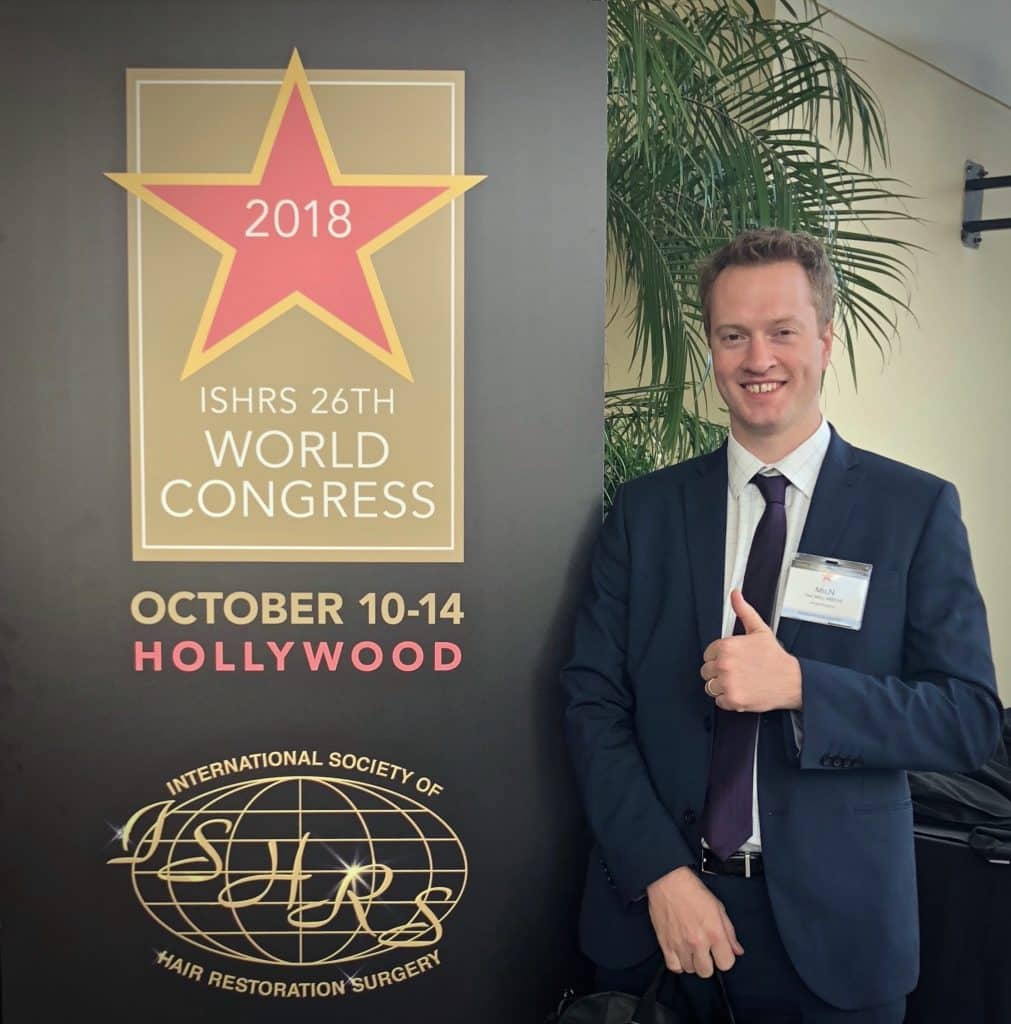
point(771, 636)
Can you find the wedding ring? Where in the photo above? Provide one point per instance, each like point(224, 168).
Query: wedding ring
point(708, 691)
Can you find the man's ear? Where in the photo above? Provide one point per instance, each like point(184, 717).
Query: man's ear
point(826, 337)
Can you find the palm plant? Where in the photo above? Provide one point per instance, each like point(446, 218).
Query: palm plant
point(716, 116)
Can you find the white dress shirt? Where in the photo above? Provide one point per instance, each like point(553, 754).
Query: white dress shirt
point(745, 506)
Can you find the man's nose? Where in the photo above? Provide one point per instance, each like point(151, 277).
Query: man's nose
point(759, 356)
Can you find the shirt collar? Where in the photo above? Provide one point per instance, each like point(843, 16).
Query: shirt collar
point(801, 466)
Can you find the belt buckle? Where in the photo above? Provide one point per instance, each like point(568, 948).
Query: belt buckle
point(747, 864)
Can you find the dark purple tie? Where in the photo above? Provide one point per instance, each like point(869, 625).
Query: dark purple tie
point(726, 818)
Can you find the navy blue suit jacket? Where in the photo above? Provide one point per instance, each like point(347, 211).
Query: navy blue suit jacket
point(914, 688)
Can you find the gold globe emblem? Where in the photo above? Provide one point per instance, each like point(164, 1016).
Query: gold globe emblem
point(296, 871)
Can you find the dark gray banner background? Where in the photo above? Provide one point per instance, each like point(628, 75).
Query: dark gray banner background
point(86, 741)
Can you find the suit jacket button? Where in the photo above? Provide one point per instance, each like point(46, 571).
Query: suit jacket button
point(837, 762)
point(707, 723)
point(688, 817)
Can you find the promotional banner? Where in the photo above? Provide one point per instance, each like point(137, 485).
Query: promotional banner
point(316, 441)
point(303, 407)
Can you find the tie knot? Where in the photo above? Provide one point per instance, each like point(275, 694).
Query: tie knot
point(773, 488)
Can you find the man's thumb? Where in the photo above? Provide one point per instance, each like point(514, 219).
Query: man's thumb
point(750, 619)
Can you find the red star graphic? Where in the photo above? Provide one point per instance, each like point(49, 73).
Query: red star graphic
point(296, 232)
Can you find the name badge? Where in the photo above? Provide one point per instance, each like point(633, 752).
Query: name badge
point(830, 591)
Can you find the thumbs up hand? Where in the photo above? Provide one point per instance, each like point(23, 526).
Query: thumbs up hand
point(751, 672)
point(750, 619)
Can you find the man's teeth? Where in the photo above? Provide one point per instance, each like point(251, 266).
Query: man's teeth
point(760, 389)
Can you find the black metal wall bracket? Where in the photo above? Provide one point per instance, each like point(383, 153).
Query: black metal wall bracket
point(976, 183)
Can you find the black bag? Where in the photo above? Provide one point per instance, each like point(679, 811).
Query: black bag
point(621, 1008)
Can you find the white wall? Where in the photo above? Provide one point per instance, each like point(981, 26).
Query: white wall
point(940, 400)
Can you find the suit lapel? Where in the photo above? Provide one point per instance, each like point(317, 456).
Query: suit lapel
point(831, 507)
point(705, 498)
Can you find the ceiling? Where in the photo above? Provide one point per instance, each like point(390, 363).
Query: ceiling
point(970, 39)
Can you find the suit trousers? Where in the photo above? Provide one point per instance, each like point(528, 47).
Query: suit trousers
point(763, 986)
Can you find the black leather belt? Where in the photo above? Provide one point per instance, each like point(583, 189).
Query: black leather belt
point(747, 864)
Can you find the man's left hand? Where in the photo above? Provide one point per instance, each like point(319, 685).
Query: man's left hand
point(751, 672)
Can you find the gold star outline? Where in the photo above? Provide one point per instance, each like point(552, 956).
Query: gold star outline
point(295, 78)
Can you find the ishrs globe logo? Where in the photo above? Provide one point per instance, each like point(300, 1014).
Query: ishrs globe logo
point(313, 876)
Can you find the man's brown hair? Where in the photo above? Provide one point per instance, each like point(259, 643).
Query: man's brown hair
point(773, 245)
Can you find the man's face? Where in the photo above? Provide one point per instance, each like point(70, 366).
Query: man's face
point(768, 351)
